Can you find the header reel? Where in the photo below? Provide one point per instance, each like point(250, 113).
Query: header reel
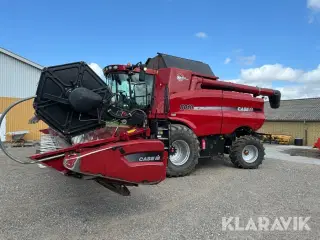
point(73, 99)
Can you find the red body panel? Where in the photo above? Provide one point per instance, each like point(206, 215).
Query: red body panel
point(252, 117)
point(202, 122)
point(161, 80)
point(102, 157)
point(208, 111)
point(110, 162)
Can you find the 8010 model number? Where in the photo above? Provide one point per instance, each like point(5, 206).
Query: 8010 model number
point(186, 107)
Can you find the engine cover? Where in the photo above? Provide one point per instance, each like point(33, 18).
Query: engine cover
point(70, 98)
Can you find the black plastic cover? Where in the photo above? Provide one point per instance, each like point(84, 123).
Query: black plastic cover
point(275, 99)
point(84, 100)
point(57, 87)
point(166, 61)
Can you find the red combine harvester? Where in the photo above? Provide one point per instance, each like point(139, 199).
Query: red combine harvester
point(169, 113)
point(317, 144)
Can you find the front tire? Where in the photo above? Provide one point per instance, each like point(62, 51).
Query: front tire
point(247, 152)
point(186, 151)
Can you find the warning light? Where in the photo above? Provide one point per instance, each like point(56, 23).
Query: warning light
point(131, 131)
point(203, 144)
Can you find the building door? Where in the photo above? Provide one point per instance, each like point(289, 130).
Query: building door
point(3, 129)
point(313, 132)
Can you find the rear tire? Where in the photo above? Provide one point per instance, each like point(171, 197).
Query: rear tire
point(247, 152)
point(187, 151)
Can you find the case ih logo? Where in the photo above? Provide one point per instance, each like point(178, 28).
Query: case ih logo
point(70, 162)
point(150, 158)
point(181, 78)
point(145, 157)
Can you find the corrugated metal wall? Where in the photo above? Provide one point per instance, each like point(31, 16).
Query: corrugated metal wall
point(309, 131)
point(313, 132)
point(18, 80)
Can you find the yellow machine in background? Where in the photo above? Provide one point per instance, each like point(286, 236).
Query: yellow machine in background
point(277, 138)
point(282, 139)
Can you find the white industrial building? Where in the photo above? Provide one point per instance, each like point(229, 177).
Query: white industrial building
point(19, 78)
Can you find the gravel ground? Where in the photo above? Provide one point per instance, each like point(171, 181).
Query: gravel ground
point(38, 203)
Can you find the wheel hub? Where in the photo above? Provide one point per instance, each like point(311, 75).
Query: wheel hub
point(172, 150)
point(179, 152)
point(250, 153)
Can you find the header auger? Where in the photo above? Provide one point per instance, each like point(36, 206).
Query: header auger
point(169, 113)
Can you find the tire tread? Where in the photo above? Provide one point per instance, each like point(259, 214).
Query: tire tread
point(191, 167)
point(236, 151)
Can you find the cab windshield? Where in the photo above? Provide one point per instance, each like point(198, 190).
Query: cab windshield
point(130, 92)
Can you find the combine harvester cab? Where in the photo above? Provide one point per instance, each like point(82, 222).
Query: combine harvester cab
point(76, 104)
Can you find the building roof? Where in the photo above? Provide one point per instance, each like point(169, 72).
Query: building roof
point(22, 59)
point(307, 109)
point(183, 63)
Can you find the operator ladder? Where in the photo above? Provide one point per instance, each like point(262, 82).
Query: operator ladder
point(164, 133)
